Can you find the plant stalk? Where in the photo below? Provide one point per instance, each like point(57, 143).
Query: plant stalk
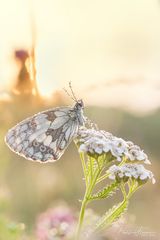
point(89, 187)
point(81, 217)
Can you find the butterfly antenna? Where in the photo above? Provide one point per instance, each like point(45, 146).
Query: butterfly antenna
point(73, 94)
point(68, 94)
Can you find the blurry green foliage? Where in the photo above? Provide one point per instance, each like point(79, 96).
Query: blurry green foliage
point(9, 230)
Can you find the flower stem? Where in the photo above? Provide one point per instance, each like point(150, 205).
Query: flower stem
point(81, 217)
point(84, 167)
point(106, 175)
point(103, 177)
point(89, 188)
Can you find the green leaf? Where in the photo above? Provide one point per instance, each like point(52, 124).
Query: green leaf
point(112, 215)
point(91, 165)
point(107, 191)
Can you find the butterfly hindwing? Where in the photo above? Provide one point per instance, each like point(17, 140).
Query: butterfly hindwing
point(43, 137)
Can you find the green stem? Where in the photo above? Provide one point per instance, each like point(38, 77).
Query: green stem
point(106, 175)
point(84, 168)
point(103, 177)
point(133, 190)
point(91, 166)
point(93, 182)
point(122, 186)
point(81, 217)
point(87, 195)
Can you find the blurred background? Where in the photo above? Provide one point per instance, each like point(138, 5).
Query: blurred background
point(110, 50)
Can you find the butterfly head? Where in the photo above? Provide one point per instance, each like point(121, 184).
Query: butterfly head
point(79, 104)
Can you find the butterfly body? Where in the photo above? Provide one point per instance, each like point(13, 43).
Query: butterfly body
point(45, 136)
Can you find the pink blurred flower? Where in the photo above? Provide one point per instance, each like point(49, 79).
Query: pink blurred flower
point(55, 224)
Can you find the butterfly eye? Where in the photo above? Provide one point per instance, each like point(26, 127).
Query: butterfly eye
point(80, 103)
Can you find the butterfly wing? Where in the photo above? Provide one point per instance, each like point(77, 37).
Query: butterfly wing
point(43, 137)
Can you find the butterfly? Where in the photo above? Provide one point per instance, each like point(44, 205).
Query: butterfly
point(45, 136)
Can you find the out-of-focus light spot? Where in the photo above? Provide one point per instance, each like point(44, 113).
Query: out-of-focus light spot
point(5, 97)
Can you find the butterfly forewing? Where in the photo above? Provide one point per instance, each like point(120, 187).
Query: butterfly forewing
point(43, 137)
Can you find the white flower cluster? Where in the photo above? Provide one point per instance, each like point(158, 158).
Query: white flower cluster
point(98, 142)
point(136, 171)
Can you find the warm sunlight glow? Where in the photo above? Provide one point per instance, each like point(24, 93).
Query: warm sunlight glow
point(46, 82)
point(93, 44)
point(44, 88)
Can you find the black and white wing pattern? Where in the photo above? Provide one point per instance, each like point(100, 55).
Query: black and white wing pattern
point(44, 136)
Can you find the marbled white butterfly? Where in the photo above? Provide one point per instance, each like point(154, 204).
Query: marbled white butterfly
point(45, 136)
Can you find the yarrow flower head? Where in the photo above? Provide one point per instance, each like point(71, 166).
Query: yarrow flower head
point(57, 223)
point(134, 171)
point(136, 154)
point(105, 157)
point(98, 142)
